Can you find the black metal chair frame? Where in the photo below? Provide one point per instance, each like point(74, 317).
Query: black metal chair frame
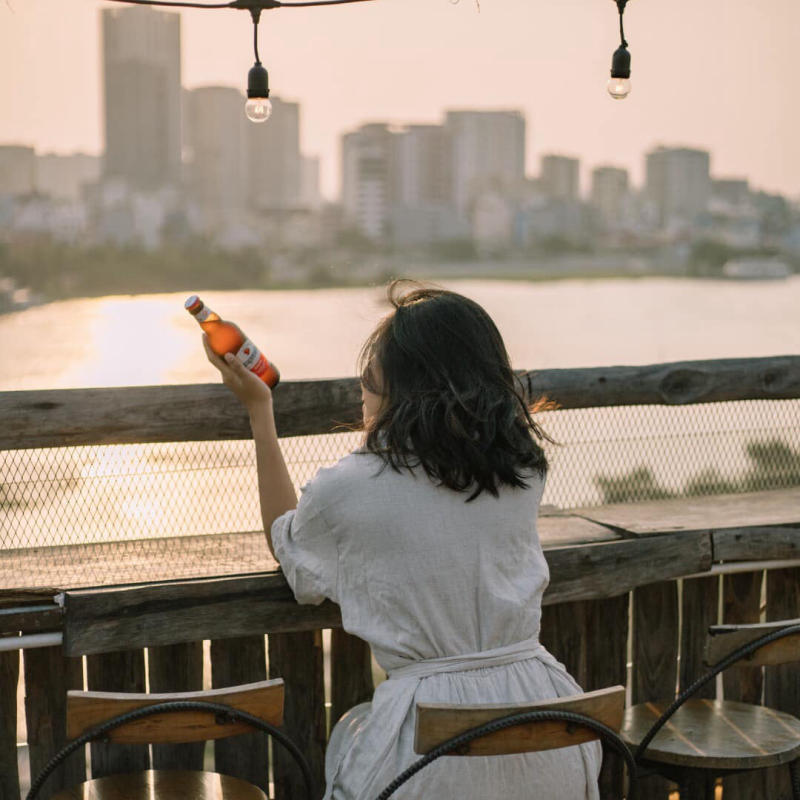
point(456, 743)
point(737, 655)
point(224, 714)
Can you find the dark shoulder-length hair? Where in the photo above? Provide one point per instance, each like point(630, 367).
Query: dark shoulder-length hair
point(450, 400)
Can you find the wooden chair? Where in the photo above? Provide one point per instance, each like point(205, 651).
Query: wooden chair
point(488, 730)
point(694, 741)
point(171, 718)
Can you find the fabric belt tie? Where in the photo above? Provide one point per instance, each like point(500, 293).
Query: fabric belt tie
point(509, 654)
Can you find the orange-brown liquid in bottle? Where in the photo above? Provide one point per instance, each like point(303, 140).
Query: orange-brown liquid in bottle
point(226, 337)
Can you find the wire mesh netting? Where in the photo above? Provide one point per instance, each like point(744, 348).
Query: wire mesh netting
point(84, 516)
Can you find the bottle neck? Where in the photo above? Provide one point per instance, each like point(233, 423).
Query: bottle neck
point(205, 314)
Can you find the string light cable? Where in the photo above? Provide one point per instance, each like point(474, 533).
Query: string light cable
point(619, 85)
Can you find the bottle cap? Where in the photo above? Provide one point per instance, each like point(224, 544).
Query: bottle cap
point(193, 304)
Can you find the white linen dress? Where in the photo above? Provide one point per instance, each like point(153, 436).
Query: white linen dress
point(448, 594)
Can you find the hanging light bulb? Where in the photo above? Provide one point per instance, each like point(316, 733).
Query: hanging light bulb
point(258, 107)
point(619, 86)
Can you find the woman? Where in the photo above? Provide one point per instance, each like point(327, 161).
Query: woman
point(426, 537)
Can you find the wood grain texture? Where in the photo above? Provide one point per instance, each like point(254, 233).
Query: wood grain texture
point(608, 569)
point(757, 543)
point(48, 677)
point(31, 619)
point(209, 412)
point(781, 651)
point(716, 734)
point(438, 722)
point(9, 679)
point(351, 673)
point(298, 658)
point(117, 672)
point(176, 668)
point(164, 785)
point(655, 654)
point(774, 507)
point(85, 710)
point(700, 603)
point(741, 599)
point(235, 662)
point(782, 683)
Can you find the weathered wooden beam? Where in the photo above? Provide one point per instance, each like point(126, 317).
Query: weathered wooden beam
point(102, 620)
point(9, 769)
point(31, 619)
point(64, 417)
point(757, 543)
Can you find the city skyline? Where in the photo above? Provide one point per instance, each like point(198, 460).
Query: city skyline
point(550, 63)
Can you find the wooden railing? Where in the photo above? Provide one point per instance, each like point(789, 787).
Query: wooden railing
point(649, 576)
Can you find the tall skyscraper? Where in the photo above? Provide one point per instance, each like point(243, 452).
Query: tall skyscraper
point(17, 169)
point(142, 96)
point(273, 154)
point(216, 139)
point(487, 152)
point(64, 177)
point(369, 178)
point(609, 193)
point(678, 183)
point(560, 177)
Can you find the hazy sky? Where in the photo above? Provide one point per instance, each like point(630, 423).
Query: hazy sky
point(717, 74)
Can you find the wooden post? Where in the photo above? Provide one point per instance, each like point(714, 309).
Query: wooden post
point(655, 658)
point(741, 598)
point(176, 668)
point(351, 673)
point(700, 605)
point(297, 658)
point(9, 770)
point(782, 683)
point(117, 672)
point(236, 661)
point(48, 676)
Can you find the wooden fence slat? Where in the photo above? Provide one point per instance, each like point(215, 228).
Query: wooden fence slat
point(351, 673)
point(117, 672)
point(233, 662)
point(741, 598)
point(297, 658)
point(9, 679)
point(700, 607)
point(590, 639)
point(655, 657)
point(48, 676)
point(782, 683)
point(176, 668)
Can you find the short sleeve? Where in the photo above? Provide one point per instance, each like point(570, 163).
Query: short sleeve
point(306, 549)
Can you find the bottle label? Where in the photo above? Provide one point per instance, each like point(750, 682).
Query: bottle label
point(252, 358)
point(203, 314)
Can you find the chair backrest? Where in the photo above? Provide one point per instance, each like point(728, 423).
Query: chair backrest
point(436, 723)
point(86, 710)
point(723, 640)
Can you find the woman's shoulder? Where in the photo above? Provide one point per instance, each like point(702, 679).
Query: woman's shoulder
point(342, 476)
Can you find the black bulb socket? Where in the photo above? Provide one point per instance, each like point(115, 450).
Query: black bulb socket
point(257, 81)
point(621, 63)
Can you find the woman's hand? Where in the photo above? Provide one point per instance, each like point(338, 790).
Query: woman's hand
point(246, 385)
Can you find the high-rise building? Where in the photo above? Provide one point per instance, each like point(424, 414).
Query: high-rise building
point(142, 96)
point(17, 169)
point(609, 193)
point(216, 172)
point(310, 196)
point(423, 166)
point(560, 177)
point(273, 154)
point(63, 177)
point(369, 178)
point(487, 152)
point(678, 183)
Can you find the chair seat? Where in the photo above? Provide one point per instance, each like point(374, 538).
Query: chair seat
point(163, 785)
point(715, 734)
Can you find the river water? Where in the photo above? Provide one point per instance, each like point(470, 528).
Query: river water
point(154, 491)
